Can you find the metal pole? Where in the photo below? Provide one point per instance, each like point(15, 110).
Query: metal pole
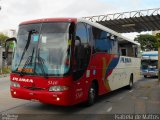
point(1, 59)
point(0, 6)
point(159, 64)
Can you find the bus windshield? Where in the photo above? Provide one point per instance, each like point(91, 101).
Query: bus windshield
point(149, 64)
point(42, 49)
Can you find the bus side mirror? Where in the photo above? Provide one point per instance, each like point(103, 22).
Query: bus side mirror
point(7, 46)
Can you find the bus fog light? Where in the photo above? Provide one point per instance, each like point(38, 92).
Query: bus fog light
point(58, 88)
point(15, 84)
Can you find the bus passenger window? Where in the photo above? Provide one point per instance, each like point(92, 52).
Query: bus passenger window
point(81, 43)
point(104, 43)
point(79, 53)
point(81, 50)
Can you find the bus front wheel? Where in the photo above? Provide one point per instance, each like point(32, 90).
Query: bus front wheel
point(145, 76)
point(130, 86)
point(92, 94)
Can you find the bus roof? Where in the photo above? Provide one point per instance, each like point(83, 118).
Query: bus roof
point(150, 53)
point(49, 20)
point(107, 30)
point(81, 20)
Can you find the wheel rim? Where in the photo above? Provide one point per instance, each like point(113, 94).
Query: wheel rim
point(131, 84)
point(92, 94)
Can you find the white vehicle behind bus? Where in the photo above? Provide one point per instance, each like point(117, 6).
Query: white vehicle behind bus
point(149, 64)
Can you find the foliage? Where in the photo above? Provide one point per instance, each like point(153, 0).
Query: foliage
point(158, 39)
point(3, 37)
point(5, 70)
point(148, 42)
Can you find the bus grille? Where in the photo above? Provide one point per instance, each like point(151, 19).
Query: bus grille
point(33, 88)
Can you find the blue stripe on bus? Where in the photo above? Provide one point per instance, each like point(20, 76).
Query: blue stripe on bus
point(150, 55)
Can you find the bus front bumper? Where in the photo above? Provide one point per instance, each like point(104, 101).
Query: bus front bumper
point(56, 98)
point(150, 73)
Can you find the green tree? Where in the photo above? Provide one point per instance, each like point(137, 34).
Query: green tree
point(3, 37)
point(158, 39)
point(148, 42)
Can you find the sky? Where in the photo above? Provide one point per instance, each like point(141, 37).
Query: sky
point(14, 12)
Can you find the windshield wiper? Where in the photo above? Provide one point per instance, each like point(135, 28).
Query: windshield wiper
point(28, 62)
point(27, 45)
point(41, 63)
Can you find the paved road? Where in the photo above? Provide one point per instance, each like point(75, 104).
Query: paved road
point(144, 98)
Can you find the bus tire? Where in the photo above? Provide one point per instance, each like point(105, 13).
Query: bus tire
point(130, 86)
point(92, 94)
point(145, 76)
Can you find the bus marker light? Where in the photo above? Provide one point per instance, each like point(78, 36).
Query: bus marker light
point(94, 72)
point(88, 73)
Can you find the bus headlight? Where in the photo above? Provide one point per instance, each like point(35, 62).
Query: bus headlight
point(15, 84)
point(58, 88)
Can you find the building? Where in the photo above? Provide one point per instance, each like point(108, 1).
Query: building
point(1, 57)
point(9, 33)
